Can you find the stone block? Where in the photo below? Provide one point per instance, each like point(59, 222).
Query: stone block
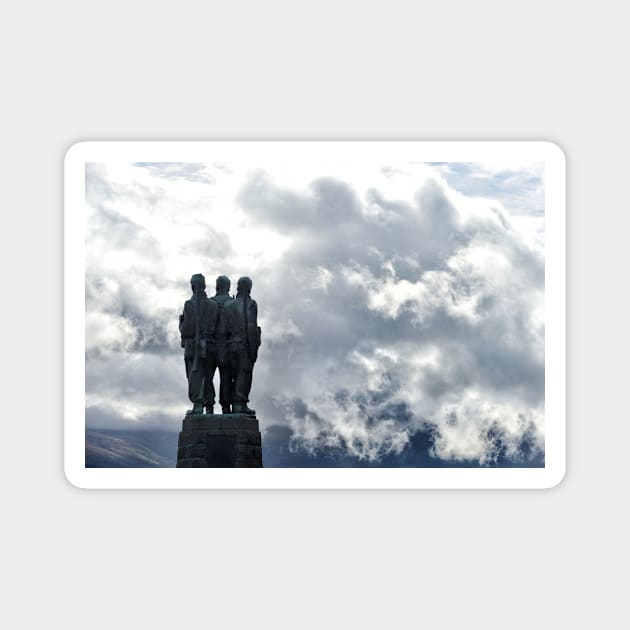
point(197, 450)
point(220, 422)
point(192, 437)
point(219, 441)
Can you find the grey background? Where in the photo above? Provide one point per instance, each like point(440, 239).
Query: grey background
point(485, 70)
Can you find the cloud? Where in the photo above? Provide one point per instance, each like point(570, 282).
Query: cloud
point(393, 303)
point(520, 188)
point(189, 171)
point(326, 200)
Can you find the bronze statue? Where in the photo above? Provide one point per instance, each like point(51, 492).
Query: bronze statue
point(197, 327)
point(220, 358)
point(239, 328)
point(222, 332)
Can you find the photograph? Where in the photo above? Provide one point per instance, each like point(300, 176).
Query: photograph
point(323, 308)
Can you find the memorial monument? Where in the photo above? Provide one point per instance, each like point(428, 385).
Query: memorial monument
point(219, 332)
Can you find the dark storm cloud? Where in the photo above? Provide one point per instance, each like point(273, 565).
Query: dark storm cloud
point(418, 453)
point(328, 225)
point(328, 202)
point(126, 302)
point(425, 249)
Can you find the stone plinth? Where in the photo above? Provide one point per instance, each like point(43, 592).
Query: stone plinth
point(219, 441)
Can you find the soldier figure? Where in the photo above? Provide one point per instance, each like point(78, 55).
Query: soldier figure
point(197, 326)
point(242, 335)
point(219, 358)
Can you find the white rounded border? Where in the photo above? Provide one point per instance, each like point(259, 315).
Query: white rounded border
point(316, 152)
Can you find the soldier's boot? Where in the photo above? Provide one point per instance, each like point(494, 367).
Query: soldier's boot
point(197, 409)
point(225, 409)
point(209, 409)
point(243, 408)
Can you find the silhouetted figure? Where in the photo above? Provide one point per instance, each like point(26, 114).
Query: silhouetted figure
point(242, 334)
point(220, 356)
point(197, 326)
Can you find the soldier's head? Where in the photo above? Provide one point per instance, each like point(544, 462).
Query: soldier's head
point(223, 284)
point(198, 282)
point(244, 286)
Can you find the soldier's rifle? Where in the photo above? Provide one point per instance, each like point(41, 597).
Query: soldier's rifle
point(200, 344)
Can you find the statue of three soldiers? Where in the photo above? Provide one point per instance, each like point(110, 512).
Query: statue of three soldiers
point(220, 332)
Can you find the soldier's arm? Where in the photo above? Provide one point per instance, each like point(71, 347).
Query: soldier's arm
point(188, 323)
point(255, 320)
point(181, 323)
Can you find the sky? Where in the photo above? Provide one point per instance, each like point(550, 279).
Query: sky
point(401, 304)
